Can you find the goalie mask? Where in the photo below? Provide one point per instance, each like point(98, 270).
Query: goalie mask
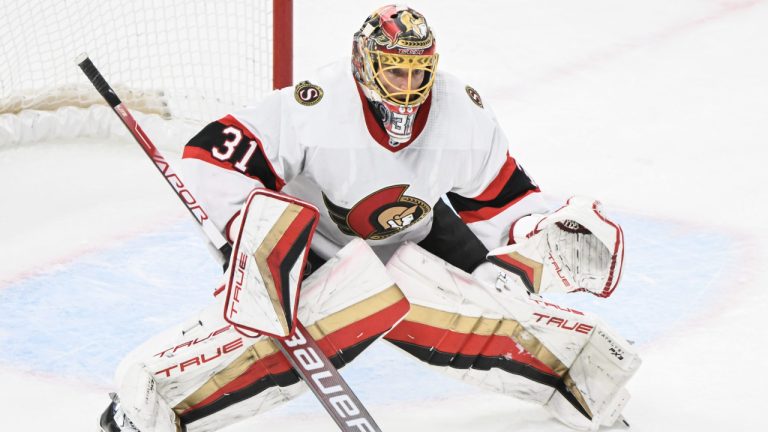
point(394, 61)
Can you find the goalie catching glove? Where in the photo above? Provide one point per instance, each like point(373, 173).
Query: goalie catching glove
point(575, 248)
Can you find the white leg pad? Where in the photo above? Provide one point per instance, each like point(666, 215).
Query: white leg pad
point(600, 373)
point(142, 404)
point(206, 375)
point(511, 342)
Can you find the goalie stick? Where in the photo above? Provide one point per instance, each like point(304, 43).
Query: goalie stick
point(301, 350)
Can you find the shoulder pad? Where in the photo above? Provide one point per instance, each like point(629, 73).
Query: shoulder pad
point(307, 93)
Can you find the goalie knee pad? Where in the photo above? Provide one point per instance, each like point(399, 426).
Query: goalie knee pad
point(209, 375)
point(511, 343)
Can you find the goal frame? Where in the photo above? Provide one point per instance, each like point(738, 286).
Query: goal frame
point(282, 43)
point(34, 112)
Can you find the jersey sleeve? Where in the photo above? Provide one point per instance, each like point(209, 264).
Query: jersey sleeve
point(252, 148)
point(496, 193)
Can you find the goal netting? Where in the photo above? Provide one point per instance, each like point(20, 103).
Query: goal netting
point(184, 60)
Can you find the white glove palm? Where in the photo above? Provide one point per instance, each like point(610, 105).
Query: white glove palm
point(575, 248)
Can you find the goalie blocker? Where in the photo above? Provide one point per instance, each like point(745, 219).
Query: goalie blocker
point(268, 261)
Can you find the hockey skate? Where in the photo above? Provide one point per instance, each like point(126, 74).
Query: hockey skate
point(114, 419)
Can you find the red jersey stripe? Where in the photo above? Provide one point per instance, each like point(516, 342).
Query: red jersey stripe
point(486, 213)
point(497, 185)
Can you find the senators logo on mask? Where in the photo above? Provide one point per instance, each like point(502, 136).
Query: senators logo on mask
point(381, 214)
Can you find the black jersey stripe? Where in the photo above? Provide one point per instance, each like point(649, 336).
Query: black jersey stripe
point(452, 240)
point(515, 187)
point(209, 144)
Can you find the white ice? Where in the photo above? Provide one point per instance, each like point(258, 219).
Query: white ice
point(658, 108)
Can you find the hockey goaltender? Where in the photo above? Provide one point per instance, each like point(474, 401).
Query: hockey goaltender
point(386, 189)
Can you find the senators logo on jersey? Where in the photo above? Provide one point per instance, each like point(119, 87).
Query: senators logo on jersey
point(472, 93)
point(381, 214)
point(307, 93)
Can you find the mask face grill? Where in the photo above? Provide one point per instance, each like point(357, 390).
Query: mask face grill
point(402, 79)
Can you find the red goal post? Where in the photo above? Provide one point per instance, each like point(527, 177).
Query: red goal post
point(189, 60)
point(282, 36)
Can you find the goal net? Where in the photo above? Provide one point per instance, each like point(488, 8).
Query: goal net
point(187, 60)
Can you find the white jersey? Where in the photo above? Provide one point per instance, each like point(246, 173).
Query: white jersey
point(320, 142)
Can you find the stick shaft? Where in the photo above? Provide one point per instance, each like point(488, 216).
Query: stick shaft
point(322, 377)
point(162, 165)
